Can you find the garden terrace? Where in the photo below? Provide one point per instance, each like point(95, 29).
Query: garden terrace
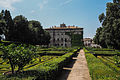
point(43, 67)
point(54, 51)
point(103, 67)
point(102, 52)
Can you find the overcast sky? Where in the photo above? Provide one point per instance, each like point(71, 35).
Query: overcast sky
point(82, 13)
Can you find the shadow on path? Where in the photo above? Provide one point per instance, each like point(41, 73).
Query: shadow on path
point(66, 70)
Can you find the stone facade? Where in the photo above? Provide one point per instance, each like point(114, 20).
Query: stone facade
point(87, 41)
point(59, 36)
point(90, 43)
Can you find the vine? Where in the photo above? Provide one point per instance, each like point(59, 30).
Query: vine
point(76, 39)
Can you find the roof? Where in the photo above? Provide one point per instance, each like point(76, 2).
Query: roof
point(87, 39)
point(67, 27)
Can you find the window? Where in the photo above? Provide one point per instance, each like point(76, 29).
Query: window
point(61, 39)
point(53, 40)
point(57, 39)
point(65, 40)
point(65, 45)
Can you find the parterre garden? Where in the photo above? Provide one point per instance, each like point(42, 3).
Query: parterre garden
point(103, 64)
point(33, 62)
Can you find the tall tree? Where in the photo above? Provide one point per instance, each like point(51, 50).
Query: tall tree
point(20, 29)
point(6, 23)
point(9, 26)
point(101, 17)
point(111, 26)
point(38, 35)
point(35, 31)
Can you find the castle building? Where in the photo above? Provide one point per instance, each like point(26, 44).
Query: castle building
point(65, 36)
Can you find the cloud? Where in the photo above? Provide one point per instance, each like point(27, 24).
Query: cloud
point(66, 2)
point(8, 4)
point(32, 11)
point(44, 2)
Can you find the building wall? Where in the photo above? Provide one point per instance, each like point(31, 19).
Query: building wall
point(60, 38)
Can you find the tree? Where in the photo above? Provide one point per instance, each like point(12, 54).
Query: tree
point(97, 36)
point(109, 36)
point(2, 23)
point(46, 38)
point(18, 55)
point(101, 17)
point(21, 30)
point(116, 1)
point(6, 24)
point(38, 35)
point(10, 25)
point(36, 31)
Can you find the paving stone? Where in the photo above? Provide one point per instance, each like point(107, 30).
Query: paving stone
point(80, 69)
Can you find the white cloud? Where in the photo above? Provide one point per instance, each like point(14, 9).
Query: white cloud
point(32, 11)
point(7, 4)
point(66, 2)
point(44, 2)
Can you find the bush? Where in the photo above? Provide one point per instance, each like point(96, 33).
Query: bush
point(98, 70)
point(50, 69)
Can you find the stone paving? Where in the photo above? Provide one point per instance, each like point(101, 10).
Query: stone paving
point(80, 69)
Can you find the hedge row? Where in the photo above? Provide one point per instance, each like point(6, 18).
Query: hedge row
point(98, 70)
point(111, 65)
point(99, 49)
point(50, 70)
point(46, 71)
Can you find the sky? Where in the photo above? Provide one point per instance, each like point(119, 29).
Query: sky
point(82, 13)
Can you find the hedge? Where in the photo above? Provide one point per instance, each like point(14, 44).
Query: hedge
point(98, 70)
point(50, 70)
point(111, 65)
point(47, 71)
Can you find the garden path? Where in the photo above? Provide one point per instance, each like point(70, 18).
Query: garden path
point(77, 70)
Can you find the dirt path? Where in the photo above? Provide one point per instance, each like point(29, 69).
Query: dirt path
point(77, 70)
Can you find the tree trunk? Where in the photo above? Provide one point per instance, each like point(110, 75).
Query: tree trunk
point(12, 66)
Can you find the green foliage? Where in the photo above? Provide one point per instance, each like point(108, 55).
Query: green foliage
point(116, 1)
point(98, 70)
point(36, 32)
point(21, 30)
point(39, 67)
point(6, 23)
point(101, 17)
point(108, 35)
point(76, 39)
point(110, 62)
point(18, 55)
point(117, 60)
point(49, 70)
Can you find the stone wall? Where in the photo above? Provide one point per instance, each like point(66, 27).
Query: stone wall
point(60, 38)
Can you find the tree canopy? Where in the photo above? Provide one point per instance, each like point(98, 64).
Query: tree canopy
point(108, 35)
point(19, 29)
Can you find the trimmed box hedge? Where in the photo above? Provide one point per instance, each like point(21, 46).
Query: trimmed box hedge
point(98, 70)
